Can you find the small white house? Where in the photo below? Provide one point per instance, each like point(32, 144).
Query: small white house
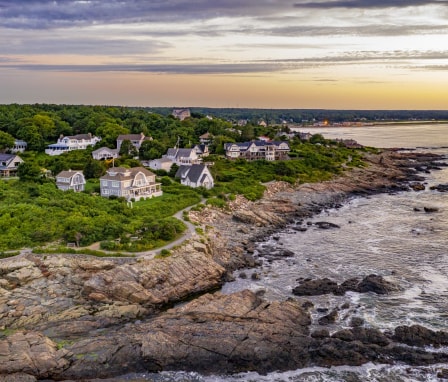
point(70, 180)
point(196, 175)
point(19, 146)
point(105, 153)
point(160, 164)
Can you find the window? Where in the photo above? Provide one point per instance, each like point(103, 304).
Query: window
point(115, 184)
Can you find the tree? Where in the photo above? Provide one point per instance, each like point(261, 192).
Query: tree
point(125, 147)
point(109, 133)
point(6, 140)
point(29, 171)
point(94, 169)
point(151, 150)
point(33, 138)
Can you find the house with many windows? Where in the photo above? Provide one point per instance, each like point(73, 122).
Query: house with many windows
point(196, 175)
point(9, 164)
point(273, 150)
point(131, 183)
point(69, 143)
point(71, 180)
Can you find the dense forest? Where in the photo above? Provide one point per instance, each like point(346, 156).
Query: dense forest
point(35, 213)
point(277, 116)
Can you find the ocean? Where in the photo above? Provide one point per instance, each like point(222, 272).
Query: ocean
point(388, 235)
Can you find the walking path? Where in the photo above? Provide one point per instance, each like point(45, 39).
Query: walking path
point(191, 230)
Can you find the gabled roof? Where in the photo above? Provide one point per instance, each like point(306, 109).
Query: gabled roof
point(131, 137)
point(105, 149)
point(80, 137)
point(68, 174)
point(179, 153)
point(193, 172)
point(7, 157)
point(122, 173)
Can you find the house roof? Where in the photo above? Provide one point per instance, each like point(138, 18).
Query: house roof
point(80, 137)
point(205, 136)
point(132, 137)
point(126, 173)
point(193, 172)
point(105, 149)
point(179, 153)
point(68, 174)
point(7, 157)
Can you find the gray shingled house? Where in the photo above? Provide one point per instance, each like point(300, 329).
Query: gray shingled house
point(196, 175)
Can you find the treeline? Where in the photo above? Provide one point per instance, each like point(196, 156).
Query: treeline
point(277, 116)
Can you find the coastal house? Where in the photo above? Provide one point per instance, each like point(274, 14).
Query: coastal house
point(19, 146)
point(131, 183)
point(196, 175)
point(182, 156)
point(69, 143)
point(181, 113)
point(254, 150)
point(201, 150)
point(71, 180)
point(105, 153)
point(205, 139)
point(9, 164)
point(135, 139)
point(159, 164)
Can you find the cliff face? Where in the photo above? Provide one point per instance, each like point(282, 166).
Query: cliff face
point(74, 317)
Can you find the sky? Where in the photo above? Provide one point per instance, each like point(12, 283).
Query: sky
point(297, 54)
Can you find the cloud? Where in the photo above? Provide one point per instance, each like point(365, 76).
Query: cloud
point(252, 67)
point(34, 14)
point(366, 4)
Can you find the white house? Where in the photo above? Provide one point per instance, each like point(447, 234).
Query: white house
point(135, 139)
point(9, 163)
point(196, 175)
point(201, 150)
point(131, 183)
point(70, 180)
point(160, 164)
point(69, 143)
point(274, 150)
point(19, 146)
point(183, 156)
point(105, 153)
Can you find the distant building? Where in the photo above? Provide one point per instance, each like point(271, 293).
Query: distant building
point(69, 143)
point(181, 113)
point(201, 150)
point(19, 146)
point(275, 150)
point(9, 164)
point(70, 180)
point(205, 139)
point(105, 153)
point(159, 164)
point(135, 139)
point(131, 183)
point(197, 175)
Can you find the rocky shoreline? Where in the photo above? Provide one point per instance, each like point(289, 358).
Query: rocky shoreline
point(65, 317)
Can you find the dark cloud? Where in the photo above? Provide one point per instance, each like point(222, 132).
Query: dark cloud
point(226, 68)
point(36, 14)
point(366, 4)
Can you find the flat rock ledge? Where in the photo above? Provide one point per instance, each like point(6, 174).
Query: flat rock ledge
point(215, 333)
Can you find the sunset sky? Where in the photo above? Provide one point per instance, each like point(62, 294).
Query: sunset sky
point(334, 54)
